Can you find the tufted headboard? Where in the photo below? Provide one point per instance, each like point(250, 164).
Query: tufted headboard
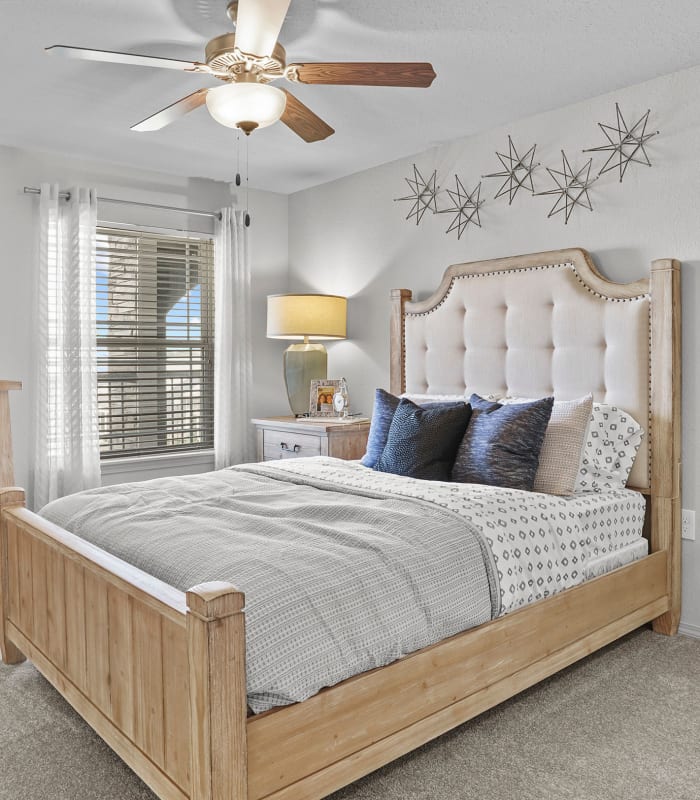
point(550, 323)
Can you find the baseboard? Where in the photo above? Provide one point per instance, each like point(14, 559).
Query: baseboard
point(686, 629)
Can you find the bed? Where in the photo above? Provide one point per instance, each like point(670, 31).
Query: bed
point(160, 673)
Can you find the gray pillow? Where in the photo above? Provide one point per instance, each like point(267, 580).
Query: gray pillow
point(422, 442)
point(501, 446)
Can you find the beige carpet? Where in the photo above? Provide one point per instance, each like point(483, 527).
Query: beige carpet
point(622, 725)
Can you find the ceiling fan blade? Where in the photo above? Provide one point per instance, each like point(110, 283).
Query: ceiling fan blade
point(302, 120)
point(419, 75)
point(86, 54)
point(258, 24)
point(172, 112)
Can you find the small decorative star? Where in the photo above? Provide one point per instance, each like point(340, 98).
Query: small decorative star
point(572, 188)
point(423, 195)
point(625, 145)
point(517, 171)
point(465, 206)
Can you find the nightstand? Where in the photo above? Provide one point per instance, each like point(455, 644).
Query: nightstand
point(290, 437)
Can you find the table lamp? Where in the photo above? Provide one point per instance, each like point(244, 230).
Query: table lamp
point(308, 319)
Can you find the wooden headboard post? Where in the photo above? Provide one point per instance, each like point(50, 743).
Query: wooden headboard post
point(397, 377)
point(10, 497)
point(7, 472)
point(663, 405)
point(665, 370)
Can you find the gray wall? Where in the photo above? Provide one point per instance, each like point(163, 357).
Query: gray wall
point(20, 168)
point(350, 237)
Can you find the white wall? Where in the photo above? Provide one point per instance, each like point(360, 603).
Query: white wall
point(350, 237)
point(20, 168)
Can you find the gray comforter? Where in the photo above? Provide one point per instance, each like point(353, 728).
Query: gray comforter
point(338, 580)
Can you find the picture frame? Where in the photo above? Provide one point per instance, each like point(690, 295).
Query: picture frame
point(321, 397)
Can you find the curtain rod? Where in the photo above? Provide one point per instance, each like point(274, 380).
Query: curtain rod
point(66, 195)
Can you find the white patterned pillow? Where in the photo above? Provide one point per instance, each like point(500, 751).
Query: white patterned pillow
point(612, 442)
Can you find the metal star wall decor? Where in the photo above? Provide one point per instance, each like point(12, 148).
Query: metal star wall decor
point(517, 171)
point(465, 207)
point(625, 145)
point(423, 195)
point(572, 188)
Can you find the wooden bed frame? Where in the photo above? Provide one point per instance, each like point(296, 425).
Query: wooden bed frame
point(160, 674)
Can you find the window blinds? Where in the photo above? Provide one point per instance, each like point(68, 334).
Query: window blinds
point(155, 342)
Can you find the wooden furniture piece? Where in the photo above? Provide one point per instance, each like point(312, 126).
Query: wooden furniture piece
point(292, 437)
point(160, 674)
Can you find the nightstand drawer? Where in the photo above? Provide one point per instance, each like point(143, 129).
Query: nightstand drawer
point(289, 444)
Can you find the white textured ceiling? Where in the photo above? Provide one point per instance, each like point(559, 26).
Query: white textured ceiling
point(496, 61)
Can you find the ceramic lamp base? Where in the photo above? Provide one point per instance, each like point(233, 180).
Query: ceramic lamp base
point(303, 363)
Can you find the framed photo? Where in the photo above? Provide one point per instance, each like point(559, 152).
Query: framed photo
point(321, 397)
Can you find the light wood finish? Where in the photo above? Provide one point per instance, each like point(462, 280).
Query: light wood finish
point(397, 340)
point(9, 498)
point(666, 428)
point(166, 687)
point(218, 704)
point(290, 437)
point(302, 120)
point(364, 73)
point(376, 754)
point(7, 472)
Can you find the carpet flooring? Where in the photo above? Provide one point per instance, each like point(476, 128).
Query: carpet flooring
point(624, 724)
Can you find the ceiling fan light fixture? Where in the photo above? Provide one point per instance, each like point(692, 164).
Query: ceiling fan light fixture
point(247, 106)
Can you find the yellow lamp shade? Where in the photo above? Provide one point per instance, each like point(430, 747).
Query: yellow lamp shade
point(310, 317)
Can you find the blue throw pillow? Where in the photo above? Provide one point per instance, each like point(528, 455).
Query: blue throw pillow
point(502, 444)
point(422, 442)
point(385, 405)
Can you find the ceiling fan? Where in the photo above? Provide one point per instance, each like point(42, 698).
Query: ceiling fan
point(247, 61)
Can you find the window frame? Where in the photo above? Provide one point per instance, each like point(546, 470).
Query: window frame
point(204, 346)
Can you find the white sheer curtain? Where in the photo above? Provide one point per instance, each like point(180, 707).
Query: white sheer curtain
point(233, 357)
point(66, 447)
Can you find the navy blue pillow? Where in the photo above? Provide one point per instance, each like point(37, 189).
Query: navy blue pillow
point(422, 442)
point(502, 444)
point(385, 405)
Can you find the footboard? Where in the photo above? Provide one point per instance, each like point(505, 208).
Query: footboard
point(159, 674)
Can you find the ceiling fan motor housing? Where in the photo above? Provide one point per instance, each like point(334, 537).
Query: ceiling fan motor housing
point(222, 56)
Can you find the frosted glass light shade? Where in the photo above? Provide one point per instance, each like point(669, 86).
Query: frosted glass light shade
point(306, 316)
point(235, 103)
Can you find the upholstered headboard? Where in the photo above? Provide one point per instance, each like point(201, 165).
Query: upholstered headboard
point(547, 323)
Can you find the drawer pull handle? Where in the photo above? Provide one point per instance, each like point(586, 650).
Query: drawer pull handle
point(295, 449)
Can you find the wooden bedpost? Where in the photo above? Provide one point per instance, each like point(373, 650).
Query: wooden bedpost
point(397, 377)
point(666, 430)
point(9, 497)
point(218, 701)
point(7, 472)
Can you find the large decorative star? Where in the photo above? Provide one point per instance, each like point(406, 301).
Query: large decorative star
point(572, 188)
point(465, 207)
point(625, 145)
point(517, 171)
point(423, 195)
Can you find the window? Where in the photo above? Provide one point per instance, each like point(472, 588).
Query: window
point(155, 342)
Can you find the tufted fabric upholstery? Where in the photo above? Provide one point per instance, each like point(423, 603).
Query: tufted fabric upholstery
point(534, 332)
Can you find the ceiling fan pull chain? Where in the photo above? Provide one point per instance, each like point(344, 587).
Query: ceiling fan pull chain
point(238, 155)
point(247, 175)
